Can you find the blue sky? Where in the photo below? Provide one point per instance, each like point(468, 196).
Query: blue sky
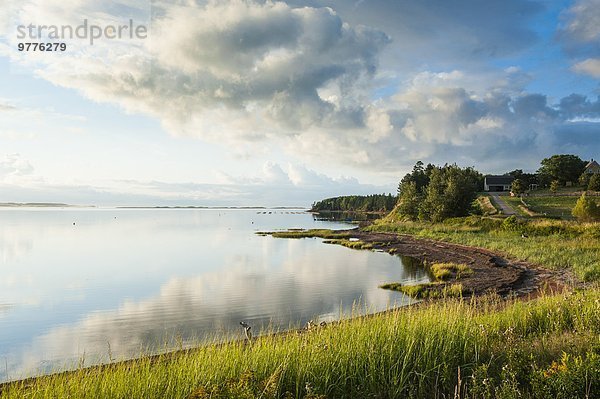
point(237, 102)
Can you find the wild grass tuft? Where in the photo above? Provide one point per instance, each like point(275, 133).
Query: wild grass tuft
point(351, 244)
point(445, 271)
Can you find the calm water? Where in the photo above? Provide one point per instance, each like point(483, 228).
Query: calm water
point(121, 282)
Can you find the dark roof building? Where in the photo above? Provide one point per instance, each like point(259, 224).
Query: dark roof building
point(592, 167)
point(497, 183)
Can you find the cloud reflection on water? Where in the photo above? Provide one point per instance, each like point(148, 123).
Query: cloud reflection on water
point(211, 305)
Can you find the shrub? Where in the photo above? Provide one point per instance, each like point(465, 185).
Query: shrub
point(584, 180)
point(511, 223)
point(571, 377)
point(594, 183)
point(586, 209)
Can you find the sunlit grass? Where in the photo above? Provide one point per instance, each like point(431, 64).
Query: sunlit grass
point(551, 243)
point(414, 352)
point(445, 271)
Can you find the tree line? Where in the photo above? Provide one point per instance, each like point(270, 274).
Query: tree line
point(555, 172)
point(357, 203)
point(434, 193)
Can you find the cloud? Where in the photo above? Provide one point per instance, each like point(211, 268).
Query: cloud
point(581, 36)
point(435, 118)
point(590, 66)
point(20, 122)
point(438, 32)
point(276, 185)
point(264, 68)
point(302, 76)
point(13, 167)
point(582, 22)
point(6, 107)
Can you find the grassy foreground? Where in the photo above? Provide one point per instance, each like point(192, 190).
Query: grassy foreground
point(483, 348)
point(555, 244)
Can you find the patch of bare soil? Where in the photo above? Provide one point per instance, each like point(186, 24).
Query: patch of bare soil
point(491, 272)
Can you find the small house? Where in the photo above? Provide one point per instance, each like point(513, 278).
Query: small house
point(592, 168)
point(497, 183)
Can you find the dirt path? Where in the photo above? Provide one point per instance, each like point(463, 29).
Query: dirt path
point(491, 272)
point(505, 209)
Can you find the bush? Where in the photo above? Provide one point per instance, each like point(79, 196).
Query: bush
point(571, 377)
point(584, 180)
point(511, 223)
point(586, 209)
point(594, 183)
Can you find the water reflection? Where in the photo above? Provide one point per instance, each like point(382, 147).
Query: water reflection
point(194, 279)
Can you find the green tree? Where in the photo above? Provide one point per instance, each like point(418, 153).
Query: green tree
point(450, 193)
point(586, 209)
point(594, 183)
point(554, 186)
point(563, 168)
point(526, 178)
point(409, 200)
point(419, 175)
point(357, 203)
point(518, 187)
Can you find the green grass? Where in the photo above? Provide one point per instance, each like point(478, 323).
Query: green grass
point(561, 190)
point(434, 290)
point(350, 244)
point(553, 206)
point(445, 271)
point(441, 272)
point(484, 348)
point(550, 206)
point(552, 243)
point(516, 204)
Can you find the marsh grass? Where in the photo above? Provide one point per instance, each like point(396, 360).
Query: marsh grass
point(416, 352)
point(437, 289)
point(446, 271)
point(350, 244)
point(556, 244)
point(434, 290)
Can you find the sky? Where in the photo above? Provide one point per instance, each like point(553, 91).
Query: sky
point(256, 102)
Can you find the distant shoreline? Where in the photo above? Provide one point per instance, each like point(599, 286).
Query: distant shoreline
point(211, 207)
point(61, 205)
point(41, 205)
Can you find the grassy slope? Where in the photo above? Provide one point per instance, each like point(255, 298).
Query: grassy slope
point(554, 244)
point(553, 206)
point(546, 348)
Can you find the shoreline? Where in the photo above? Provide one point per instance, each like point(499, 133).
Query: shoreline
point(492, 273)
